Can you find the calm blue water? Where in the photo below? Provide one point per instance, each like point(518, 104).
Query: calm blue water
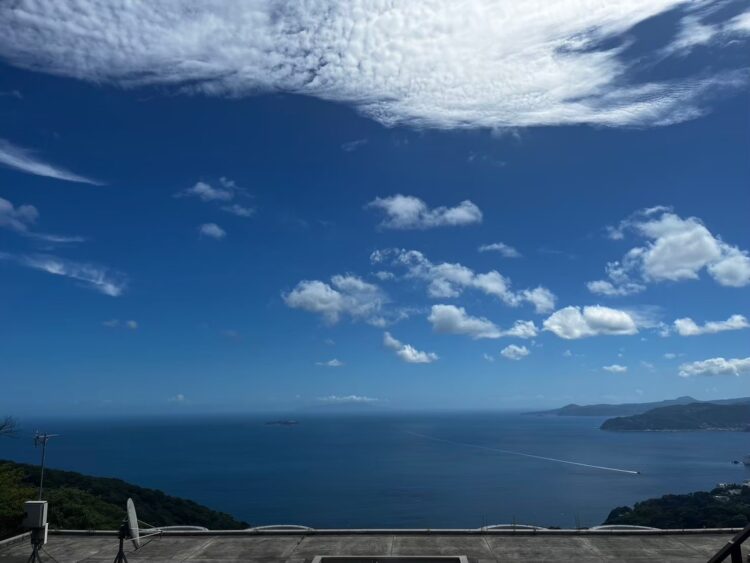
point(371, 471)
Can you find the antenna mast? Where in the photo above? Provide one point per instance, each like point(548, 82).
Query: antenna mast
point(41, 439)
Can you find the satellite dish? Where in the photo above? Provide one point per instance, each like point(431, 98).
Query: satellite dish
point(133, 524)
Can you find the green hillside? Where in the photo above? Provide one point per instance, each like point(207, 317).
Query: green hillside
point(78, 501)
point(695, 416)
point(723, 507)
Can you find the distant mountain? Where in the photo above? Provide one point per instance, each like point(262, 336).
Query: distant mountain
point(628, 409)
point(694, 416)
point(623, 409)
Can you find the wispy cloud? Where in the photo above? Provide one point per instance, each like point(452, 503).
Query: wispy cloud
point(501, 248)
point(487, 64)
point(348, 400)
point(26, 161)
point(334, 363)
point(91, 276)
point(352, 146)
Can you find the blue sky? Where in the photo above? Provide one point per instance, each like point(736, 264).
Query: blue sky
point(485, 213)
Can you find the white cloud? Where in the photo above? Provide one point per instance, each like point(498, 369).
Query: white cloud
point(669, 355)
point(178, 398)
point(674, 249)
point(19, 218)
point(345, 296)
point(239, 210)
point(488, 358)
point(334, 363)
point(568, 354)
point(115, 323)
point(513, 352)
point(439, 64)
point(716, 366)
point(409, 212)
point(521, 329)
point(352, 146)
point(688, 327)
point(615, 368)
point(449, 319)
point(505, 250)
point(25, 161)
point(573, 322)
point(604, 287)
point(212, 230)
point(447, 280)
point(408, 353)
point(89, 275)
point(206, 192)
point(347, 399)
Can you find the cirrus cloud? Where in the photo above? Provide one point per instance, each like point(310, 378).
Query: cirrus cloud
point(439, 64)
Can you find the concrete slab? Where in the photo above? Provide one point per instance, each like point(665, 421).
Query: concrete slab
point(294, 547)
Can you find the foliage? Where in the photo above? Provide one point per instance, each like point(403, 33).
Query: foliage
point(715, 509)
point(696, 416)
point(79, 501)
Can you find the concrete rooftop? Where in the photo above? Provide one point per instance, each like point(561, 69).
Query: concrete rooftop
point(299, 547)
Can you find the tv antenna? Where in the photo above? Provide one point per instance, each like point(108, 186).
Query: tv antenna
point(41, 439)
point(130, 530)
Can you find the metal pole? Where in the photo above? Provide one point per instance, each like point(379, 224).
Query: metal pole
point(41, 478)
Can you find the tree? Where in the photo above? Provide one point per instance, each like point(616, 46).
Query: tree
point(8, 426)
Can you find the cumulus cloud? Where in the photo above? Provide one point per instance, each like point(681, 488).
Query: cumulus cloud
point(446, 280)
point(88, 275)
point(26, 161)
point(716, 366)
point(239, 210)
point(572, 323)
point(17, 219)
point(674, 249)
point(503, 249)
point(449, 319)
point(212, 230)
point(347, 399)
point(514, 352)
point(615, 368)
point(408, 353)
point(334, 363)
point(346, 296)
point(688, 327)
point(409, 212)
point(439, 64)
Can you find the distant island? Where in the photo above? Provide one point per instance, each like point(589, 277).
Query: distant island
point(282, 423)
point(694, 416)
point(726, 506)
point(628, 409)
point(82, 502)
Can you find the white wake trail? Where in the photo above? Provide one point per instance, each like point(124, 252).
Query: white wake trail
point(511, 452)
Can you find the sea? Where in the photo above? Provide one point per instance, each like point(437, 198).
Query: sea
point(438, 470)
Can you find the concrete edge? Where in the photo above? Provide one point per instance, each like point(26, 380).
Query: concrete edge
point(15, 539)
point(406, 531)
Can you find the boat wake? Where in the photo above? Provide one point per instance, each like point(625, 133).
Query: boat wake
point(511, 452)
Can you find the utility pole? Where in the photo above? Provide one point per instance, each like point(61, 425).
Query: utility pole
point(41, 440)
